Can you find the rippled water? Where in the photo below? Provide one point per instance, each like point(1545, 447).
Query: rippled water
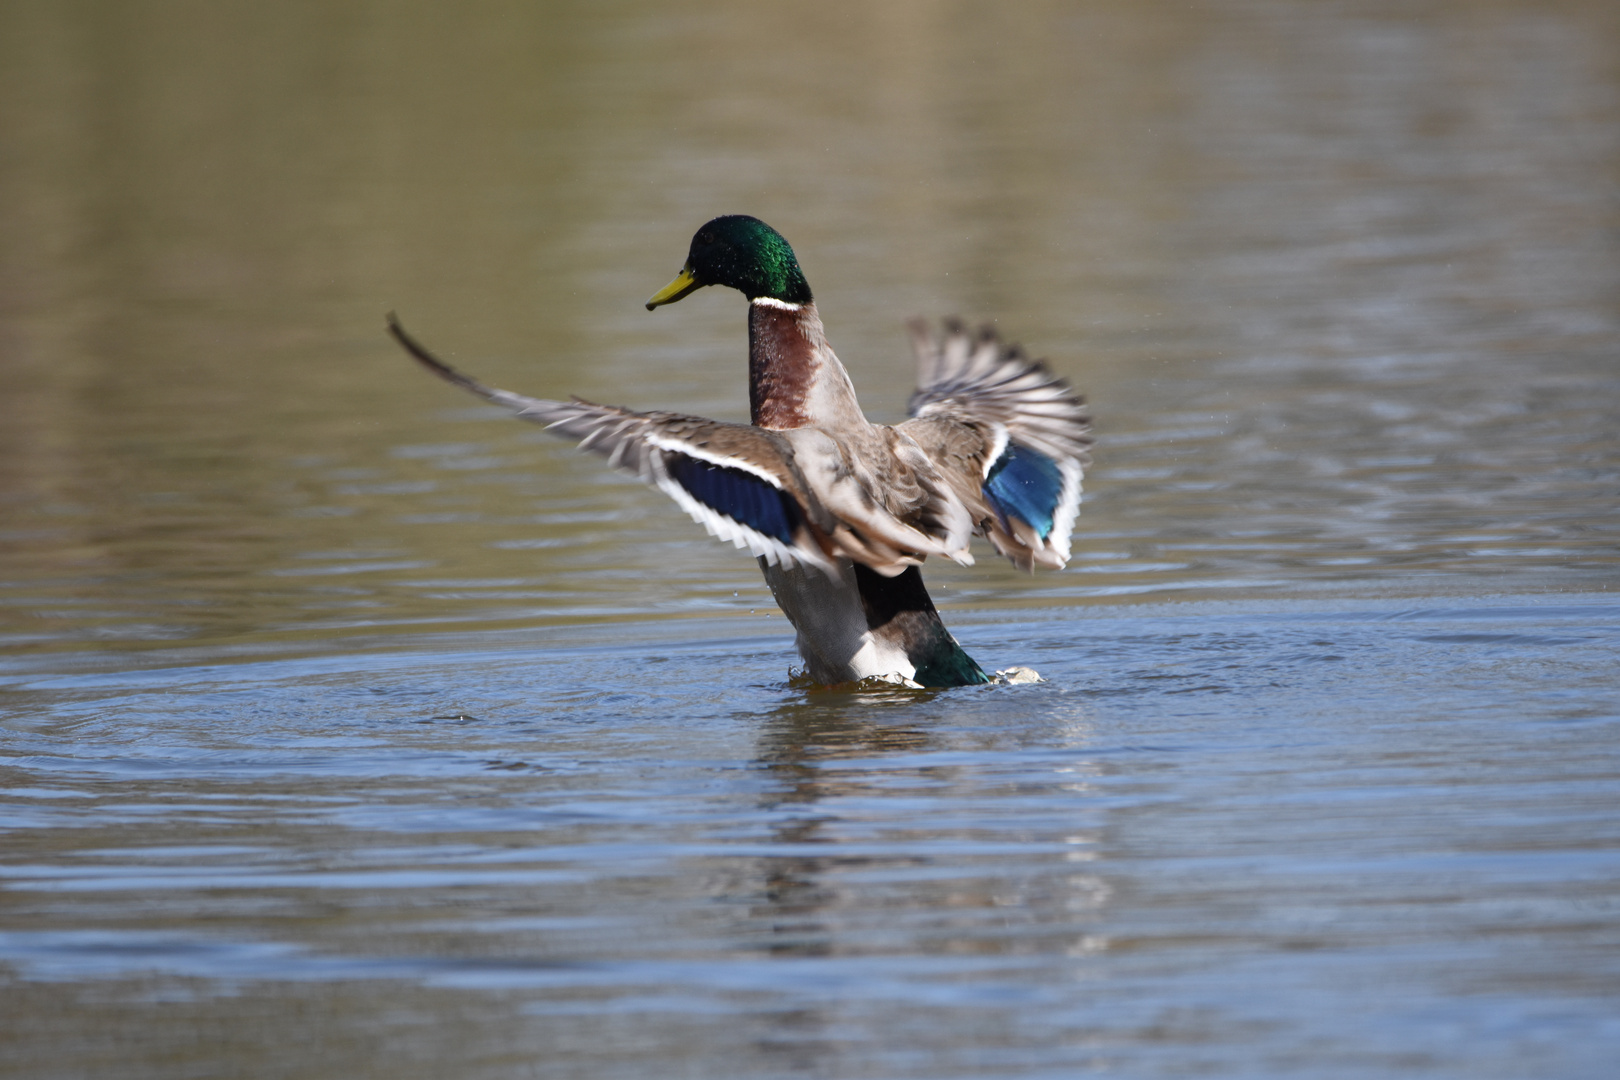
point(348, 728)
point(1249, 839)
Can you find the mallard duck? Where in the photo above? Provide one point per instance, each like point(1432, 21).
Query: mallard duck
point(841, 512)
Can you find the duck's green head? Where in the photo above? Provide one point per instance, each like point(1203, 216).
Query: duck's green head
point(741, 252)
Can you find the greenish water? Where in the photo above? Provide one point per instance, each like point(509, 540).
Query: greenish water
point(348, 728)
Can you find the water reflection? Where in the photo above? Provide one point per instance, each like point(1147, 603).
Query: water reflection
point(1339, 279)
point(1339, 282)
point(1187, 841)
point(800, 744)
point(877, 814)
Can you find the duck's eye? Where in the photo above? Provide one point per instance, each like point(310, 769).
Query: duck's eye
point(705, 238)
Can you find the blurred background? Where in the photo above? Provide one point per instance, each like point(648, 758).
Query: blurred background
point(349, 728)
point(1342, 282)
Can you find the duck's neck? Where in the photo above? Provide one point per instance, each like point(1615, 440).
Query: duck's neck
point(794, 380)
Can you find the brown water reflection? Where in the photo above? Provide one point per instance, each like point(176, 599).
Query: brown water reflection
point(1340, 282)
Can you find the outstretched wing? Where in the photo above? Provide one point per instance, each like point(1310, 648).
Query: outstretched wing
point(1010, 437)
point(739, 482)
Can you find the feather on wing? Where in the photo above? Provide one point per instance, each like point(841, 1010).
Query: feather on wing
point(739, 482)
point(886, 515)
point(792, 496)
point(1010, 438)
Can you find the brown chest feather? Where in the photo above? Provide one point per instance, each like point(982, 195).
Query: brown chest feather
point(782, 362)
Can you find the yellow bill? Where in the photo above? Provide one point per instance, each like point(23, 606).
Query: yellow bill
point(683, 285)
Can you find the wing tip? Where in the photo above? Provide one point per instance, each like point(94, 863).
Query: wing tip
point(426, 357)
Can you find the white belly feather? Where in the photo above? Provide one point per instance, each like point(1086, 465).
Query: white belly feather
point(833, 636)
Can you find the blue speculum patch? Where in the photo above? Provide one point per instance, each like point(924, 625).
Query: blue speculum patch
point(740, 496)
point(1026, 485)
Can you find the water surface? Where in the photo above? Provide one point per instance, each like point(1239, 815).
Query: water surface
point(349, 728)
